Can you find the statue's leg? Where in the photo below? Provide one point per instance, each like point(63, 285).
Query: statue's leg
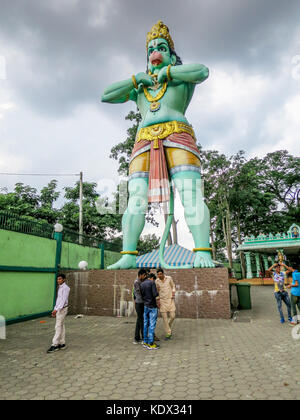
point(188, 184)
point(133, 221)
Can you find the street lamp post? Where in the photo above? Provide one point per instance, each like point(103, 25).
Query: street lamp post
point(80, 208)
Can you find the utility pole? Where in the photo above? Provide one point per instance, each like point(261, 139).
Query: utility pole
point(174, 229)
point(80, 208)
point(169, 240)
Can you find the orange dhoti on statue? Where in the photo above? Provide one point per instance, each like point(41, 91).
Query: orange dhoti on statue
point(158, 155)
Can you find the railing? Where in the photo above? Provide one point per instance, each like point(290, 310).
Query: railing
point(76, 238)
point(15, 223)
point(109, 246)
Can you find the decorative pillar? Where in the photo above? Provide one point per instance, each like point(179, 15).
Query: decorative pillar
point(257, 264)
point(58, 238)
point(272, 259)
point(266, 262)
point(248, 265)
point(102, 255)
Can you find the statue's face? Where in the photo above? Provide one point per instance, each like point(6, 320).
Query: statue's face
point(159, 54)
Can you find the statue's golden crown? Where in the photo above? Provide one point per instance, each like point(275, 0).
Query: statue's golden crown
point(159, 30)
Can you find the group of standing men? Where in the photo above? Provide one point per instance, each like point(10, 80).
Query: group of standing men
point(150, 294)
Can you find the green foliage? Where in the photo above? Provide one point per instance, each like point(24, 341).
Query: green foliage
point(249, 197)
point(103, 226)
point(122, 151)
point(147, 243)
point(26, 201)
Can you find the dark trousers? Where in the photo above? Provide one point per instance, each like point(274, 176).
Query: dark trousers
point(295, 300)
point(139, 307)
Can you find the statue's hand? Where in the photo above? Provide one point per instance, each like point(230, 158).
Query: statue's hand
point(162, 75)
point(143, 78)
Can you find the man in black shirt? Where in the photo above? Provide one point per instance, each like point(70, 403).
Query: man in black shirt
point(149, 295)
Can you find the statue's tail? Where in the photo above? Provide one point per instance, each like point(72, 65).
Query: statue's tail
point(166, 234)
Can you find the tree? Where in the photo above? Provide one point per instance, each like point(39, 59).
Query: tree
point(47, 199)
point(25, 201)
point(122, 151)
point(147, 243)
point(249, 197)
point(280, 176)
point(103, 226)
point(217, 175)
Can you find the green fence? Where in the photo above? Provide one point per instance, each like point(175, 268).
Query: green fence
point(30, 227)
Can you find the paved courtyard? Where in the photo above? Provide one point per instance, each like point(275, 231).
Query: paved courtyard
point(251, 357)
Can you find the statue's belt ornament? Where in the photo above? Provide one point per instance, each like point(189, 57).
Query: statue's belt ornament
point(161, 131)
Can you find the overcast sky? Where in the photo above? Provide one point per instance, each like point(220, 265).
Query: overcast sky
point(57, 56)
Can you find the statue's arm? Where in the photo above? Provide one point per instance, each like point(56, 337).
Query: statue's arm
point(190, 73)
point(120, 92)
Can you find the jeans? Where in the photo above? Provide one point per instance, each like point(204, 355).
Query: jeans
point(283, 296)
point(150, 318)
point(295, 300)
point(139, 307)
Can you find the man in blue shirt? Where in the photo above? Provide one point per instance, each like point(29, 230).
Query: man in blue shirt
point(295, 293)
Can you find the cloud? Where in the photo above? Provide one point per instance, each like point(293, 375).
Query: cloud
point(57, 57)
point(9, 161)
point(62, 49)
point(281, 129)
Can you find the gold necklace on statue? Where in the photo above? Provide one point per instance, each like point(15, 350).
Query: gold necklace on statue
point(155, 105)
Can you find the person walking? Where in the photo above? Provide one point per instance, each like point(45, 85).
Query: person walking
point(280, 291)
point(166, 290)
point(60, 312)
point(150, 295)
point(139, 306)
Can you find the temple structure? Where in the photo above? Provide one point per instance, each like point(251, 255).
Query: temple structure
point(269, 247)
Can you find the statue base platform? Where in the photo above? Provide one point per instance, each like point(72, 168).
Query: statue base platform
point(200, 292)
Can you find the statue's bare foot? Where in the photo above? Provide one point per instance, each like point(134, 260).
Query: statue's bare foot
point(127, 261)
point(203, 260)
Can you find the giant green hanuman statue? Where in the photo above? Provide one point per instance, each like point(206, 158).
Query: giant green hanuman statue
point(165, 148)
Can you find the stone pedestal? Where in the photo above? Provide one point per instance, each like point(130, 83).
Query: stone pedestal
point(200, 293)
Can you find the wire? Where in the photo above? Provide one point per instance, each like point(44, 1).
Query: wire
point(7, 173)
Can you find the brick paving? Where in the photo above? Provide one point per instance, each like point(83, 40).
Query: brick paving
point(253, 357)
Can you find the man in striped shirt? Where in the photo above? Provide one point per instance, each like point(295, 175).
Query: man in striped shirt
point(280, 291)
point(59, 312)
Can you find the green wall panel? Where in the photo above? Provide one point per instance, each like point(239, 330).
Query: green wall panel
point(72, 254)
point(19, 249)
point(25, 293)
point(110, 257)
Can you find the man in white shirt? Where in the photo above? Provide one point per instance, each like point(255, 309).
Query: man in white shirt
point(59, 312)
